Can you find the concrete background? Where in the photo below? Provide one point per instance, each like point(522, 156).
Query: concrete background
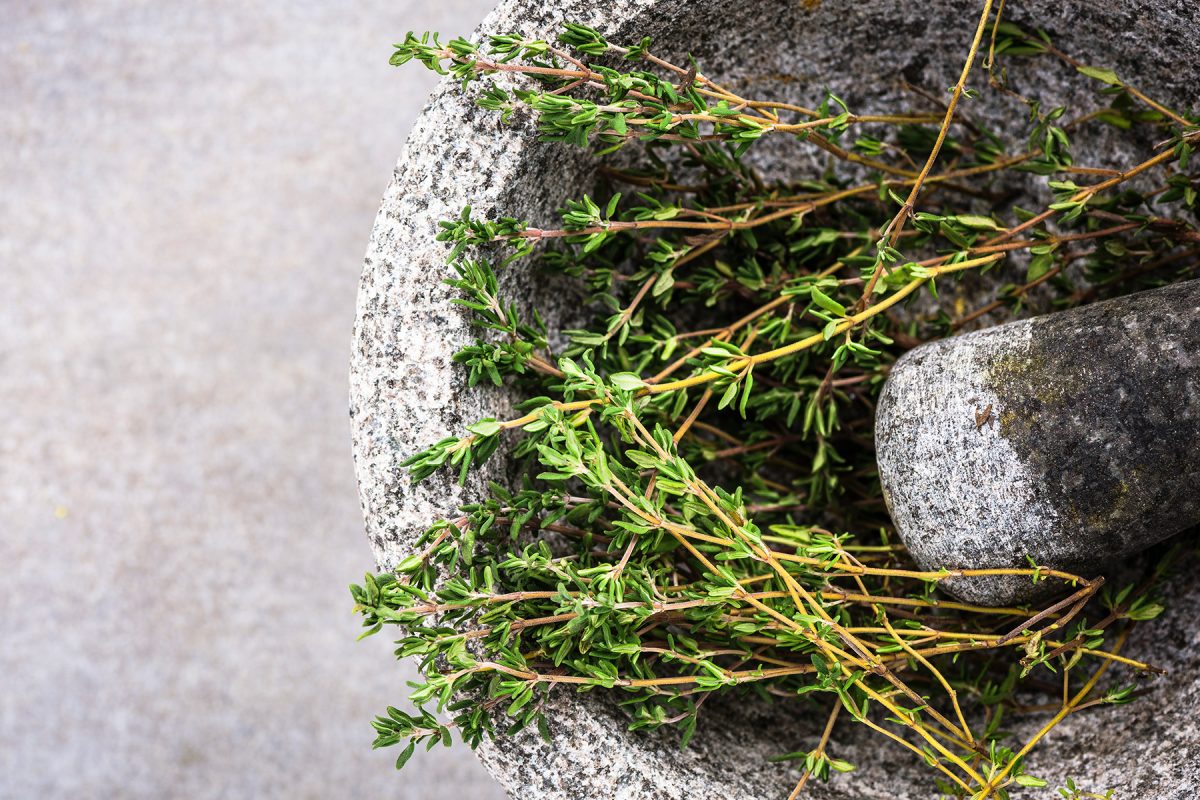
point(186, 192)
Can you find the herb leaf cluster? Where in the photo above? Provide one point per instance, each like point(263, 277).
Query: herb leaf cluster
point(702, 513)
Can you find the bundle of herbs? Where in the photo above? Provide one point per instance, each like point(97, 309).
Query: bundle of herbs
point(703, 513)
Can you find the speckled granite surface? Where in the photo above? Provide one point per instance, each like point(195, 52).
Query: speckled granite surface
point(1088, 449)
point(406, 394)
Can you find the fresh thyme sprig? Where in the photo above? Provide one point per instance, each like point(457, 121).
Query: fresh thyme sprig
point(742, 330)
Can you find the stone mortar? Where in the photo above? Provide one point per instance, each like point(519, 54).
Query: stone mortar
point(406, 393)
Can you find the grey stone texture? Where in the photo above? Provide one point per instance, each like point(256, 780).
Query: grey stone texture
point(1071, 438)
point(406, 393)
point(185, 189)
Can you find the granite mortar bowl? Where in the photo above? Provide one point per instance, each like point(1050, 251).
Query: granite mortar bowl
point(407, 393)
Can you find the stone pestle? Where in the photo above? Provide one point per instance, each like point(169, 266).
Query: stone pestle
point(1072, 439)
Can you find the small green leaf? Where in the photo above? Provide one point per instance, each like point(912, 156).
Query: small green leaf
point(977, 222)
point(485, 427)
point(405, 755)
point(665, 281)
point(1039, 265)
point(828, 303)
point(1104, 75)
point(613, 202)
point(689, 728)
point(727, 398)
point(747, 386)
point(627, 381)
point(1146, 612)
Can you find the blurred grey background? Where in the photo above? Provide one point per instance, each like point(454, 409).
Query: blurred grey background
point(186, 192)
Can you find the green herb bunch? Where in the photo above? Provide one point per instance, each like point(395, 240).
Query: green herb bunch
point(704, 514)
